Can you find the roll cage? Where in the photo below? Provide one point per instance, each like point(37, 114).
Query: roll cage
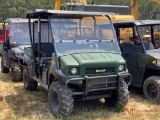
point(135, 24)
point(46, 15)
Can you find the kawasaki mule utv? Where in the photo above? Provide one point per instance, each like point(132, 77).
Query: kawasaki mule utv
point(72, 62)
point(142, 54)
point(13, 46)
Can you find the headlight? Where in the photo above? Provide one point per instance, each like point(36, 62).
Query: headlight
point(121, 68)
point(74, 71)
point(155, 62)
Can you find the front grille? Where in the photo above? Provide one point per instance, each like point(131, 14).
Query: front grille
point(103, 82)
point(107, 70)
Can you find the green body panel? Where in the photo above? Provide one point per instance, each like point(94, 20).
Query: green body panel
point(147, 58)
point(84, 61)
point(90, 60)
point(97, 58)
point(155, 55)
point(67, 61)
point(28, 51)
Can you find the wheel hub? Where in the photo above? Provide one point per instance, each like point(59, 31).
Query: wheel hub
point(152, 91)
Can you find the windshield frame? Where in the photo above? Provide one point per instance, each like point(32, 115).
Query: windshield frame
point(151, 33)
point(83, 40)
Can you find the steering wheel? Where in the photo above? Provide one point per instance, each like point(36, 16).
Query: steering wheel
point(43, 60)
point(157, 44)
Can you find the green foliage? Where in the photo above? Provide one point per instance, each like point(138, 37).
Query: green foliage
point(18, 8)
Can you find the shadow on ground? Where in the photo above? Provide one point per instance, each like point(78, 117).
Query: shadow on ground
point(27, 104)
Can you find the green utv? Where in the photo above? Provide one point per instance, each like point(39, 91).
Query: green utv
point(16, 38)
point(71, 60)
point(139, 43)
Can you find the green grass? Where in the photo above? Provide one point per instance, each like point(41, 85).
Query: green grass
point(20, 104)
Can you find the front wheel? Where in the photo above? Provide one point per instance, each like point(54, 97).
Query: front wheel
point(29, 84)
point(60, 99)
point(119, 98)
point(16, 71)
point(151, 88)
point(3, 68)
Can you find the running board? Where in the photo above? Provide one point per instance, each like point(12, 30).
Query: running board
point(39, 81)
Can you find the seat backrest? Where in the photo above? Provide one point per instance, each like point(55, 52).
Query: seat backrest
point(127, 47)
point(47, 49)
point(148, 45)
point(35, 47)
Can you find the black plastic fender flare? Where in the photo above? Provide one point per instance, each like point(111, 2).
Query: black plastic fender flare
point(27, 60)
point(15, 58)
point(58, 74)
point(5, 55)
point(152, 66)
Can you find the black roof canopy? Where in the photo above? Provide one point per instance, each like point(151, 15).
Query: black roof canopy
point(63, 13)
point(137, 23)
point(17, 20)
point(117, 9)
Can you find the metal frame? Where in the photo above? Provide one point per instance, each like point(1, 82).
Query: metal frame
point(47, 14)
point(138, 23)
point(86, 79)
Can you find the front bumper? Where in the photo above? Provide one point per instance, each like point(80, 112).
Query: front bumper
point(102, 81)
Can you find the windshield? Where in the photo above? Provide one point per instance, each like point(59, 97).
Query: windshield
point(19, 33)
point(150, 36)
point(84, 35)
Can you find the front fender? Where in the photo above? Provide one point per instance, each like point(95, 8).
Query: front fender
point(58, 74)
point(5, 55)
point(27, 60)
point(153, 66)
point(16, 58)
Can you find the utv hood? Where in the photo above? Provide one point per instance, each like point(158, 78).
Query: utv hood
point(88, 61)
point(19, 48)
point(154, 53)
point(97, 58)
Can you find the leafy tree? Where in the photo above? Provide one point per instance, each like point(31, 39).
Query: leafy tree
point(18, 8)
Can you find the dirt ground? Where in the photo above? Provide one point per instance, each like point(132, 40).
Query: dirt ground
point(19, 104)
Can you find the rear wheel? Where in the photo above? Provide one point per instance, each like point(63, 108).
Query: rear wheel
point(29, 84)
point(120, 98)
point(16, 71)
point(151, 88)
point(3, 68)
point(60, 99)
